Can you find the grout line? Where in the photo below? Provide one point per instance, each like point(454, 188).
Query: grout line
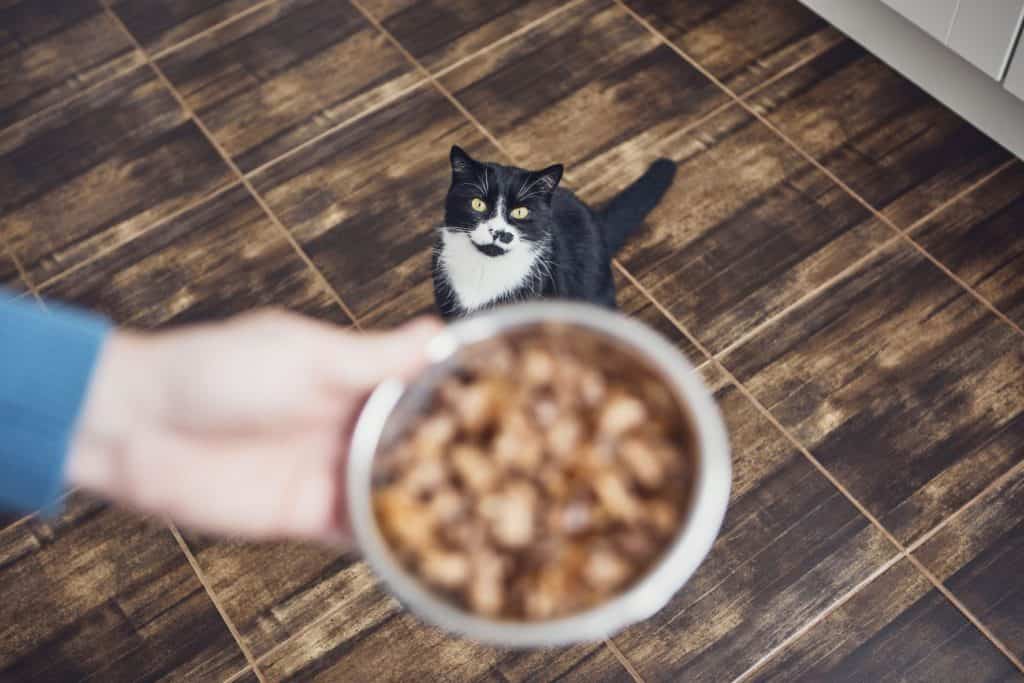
point(245, 181)
point(828, 475)
point(817, 619)
point(992, 486)
point(238, 675)
point(859, 262)
point(241, 14)
point(213, 598)
point(97, 255)
point(18, 267)
point(443, 90)
point(814, 162)
point(372, 109)
point(966, 612)
point(507, 38)
point(958, 196)
point(71, 99)
point(623, 660)
point(802, 299)
point(398, 95)
point(970, 290)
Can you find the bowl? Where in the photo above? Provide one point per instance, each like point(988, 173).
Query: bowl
point(394, 405)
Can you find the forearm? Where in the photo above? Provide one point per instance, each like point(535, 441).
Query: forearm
point(47, 360)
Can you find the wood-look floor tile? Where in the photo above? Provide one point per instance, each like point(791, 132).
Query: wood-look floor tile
point(84, 177)
point(365, 200)
point(105, 595)
point(220, 258)
point(381, 642)
point(896, 628)
point(790, 545)
point(246, 676)
point(748, 227)
point(883, 136)
point(9, 277)
point(273, 591)
point(576, 87)
point(900, 382)
point(160, 24)
point(740, 42)
point(51, 50)
point(438, 34)
point(285, 73)
point(635, 304)
point(979, 239)
point(979, 556)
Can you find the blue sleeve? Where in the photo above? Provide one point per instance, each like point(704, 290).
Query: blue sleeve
point(46, 362)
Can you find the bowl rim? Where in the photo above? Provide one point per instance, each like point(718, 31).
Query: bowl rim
point(649, 593)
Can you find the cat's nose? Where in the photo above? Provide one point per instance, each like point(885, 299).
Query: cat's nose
point(504, 237)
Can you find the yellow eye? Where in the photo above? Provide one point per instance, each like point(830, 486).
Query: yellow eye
point(520, 212)
point(478, 205)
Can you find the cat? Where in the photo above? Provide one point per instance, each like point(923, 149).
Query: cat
point(512, 235)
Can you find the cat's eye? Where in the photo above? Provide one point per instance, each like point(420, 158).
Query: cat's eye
point(520, 212)
point(478, 205)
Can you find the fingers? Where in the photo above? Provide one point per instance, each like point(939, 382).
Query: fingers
point(358, 361)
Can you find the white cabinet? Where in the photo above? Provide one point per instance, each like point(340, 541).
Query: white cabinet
point(984, 32)
point(934, 16)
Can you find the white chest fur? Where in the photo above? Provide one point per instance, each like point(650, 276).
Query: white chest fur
point(477, 279)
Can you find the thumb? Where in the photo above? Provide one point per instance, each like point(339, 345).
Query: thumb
point(360, 360)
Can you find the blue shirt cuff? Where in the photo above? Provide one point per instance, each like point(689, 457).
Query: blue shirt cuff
point(47, 360)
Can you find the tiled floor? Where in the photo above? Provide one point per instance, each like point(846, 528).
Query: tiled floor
point(844, 255)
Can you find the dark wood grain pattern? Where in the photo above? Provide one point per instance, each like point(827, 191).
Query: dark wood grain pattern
point(51, 50)
point(160, 24)
point(439, 33)
point(221, 258)
point(574, 88)
point(747, 228)
point(897, 628)
point(105, 595)
point(274, 591)
point(364, 201)
point(636, 304)
point(9, 277)
point(398, 647)
point(87, 176)
point(889, 141)
point(979, 556)
point(742, 43)
point(278, 77)
point(900, 383)
point(979, 239)
point(790, 545)
point(245, 676)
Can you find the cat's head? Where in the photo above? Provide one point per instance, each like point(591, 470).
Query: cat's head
point(499, 209)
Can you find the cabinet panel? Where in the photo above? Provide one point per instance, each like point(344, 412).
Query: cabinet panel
point(1015, 75)
point(984, 31)
point(934, 16)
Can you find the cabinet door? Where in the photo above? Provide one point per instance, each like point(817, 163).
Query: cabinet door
point(984, 32)
point(934, 16)
point(1015, 75)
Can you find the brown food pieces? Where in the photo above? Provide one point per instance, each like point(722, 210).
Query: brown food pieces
point(548, 474)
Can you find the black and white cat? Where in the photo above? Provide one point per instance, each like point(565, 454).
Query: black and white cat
point(511, 235)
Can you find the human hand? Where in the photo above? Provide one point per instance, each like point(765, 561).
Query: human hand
point(236, 428)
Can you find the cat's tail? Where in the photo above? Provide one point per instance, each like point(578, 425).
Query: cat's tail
point(626, 212)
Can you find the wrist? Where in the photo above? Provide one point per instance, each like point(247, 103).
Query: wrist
point(115, 408)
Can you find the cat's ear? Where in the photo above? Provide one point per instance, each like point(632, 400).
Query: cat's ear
point(547, 180)
point(462, 163)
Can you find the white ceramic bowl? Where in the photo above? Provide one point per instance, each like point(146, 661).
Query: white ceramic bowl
point(393, 404)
